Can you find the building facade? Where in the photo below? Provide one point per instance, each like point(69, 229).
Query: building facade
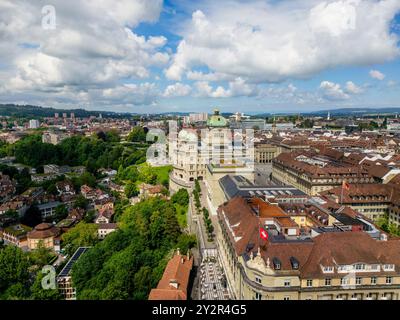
point(330, 266)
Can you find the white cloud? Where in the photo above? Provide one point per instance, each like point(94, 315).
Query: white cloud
point(93, 47)
point(236, 88)
point(352, 88)
point(262, 41)
point(377, 75)
point(142, 94)
point(177, 90)
point(333, 91)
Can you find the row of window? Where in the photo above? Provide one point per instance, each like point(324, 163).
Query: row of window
point(346, 281)
point(359, 267)
point(354, 296)
point(328, 282)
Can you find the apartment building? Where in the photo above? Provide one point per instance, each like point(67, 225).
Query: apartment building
point(313, 173)
point(335, 265)
point(372, 200)
point(265, 152)
point(64, 279)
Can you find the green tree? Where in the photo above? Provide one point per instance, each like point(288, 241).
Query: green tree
point(61, 212)
point(82, 235)
point(131, 190)
point(81, 202)
point(181, 197)
point(13, 269)
point(39, 293)
point(137, 135)
point(90, 216)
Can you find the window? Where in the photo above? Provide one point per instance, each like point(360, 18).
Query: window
point(388, 267)
point(344, 281)
point(327, 269)
point(328, 281)
point(389, 280)
point(286, 298)
point(286, 283)
point(309, 283)
point(373, 280)
point(258, 296)
point(358, 281)
point(258, 279)
point(360, 266)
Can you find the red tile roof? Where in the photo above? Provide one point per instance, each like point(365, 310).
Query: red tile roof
point(174, 283)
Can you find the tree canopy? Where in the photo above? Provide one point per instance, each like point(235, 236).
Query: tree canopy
point(130, 261)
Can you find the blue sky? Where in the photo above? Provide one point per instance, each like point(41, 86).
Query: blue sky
point(177, 55)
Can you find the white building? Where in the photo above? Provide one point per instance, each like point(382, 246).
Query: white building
point(34, 124)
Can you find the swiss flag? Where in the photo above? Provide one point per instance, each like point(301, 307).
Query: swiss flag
point(263, 234)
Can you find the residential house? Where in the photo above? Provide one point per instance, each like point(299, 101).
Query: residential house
point(15, 235)
point(106, 228)
point(175, 280)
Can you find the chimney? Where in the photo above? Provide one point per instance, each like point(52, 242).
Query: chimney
point(173, 283)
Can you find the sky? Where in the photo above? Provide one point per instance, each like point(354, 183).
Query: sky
point(153, 56)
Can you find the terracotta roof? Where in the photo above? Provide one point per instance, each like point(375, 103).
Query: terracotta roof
point(43, 231)
point(361, 193)
point(344, 248)
point(238, 216)
point(174, 282)
point(327, 249)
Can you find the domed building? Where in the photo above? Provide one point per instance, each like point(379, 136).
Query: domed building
point(193, 156)
point(45, 234)
point(217, 120)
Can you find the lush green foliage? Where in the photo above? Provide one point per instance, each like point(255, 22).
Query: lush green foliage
point(208, 224)
point(82, 235)
point(181, 202)
point(391, 228)
point(181, 197)
point(137, 135)
point(145, 173)
point(99, 151)
point(14, 275)
point(23, 178)
point(130, 261)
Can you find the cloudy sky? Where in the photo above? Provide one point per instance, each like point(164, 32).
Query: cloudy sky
point(179, 55)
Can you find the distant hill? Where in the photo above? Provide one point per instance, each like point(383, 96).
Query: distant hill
point(357, 111)
point(28, 111)
point(338, 112)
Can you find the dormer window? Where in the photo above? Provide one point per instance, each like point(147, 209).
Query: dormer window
point(277, 264)
point(294, 262)
point(359, 266)
point(388, 267)
point(328, 269)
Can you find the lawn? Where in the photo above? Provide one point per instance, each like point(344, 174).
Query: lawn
point(181, 214)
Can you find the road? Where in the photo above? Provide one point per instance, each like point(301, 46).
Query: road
point(210, 282)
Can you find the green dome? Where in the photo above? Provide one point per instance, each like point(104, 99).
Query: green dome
point(216, 120)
